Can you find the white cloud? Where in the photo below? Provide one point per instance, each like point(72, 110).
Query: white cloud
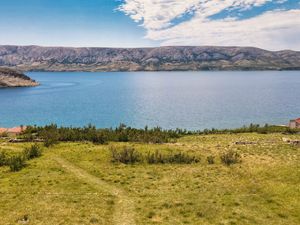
point(271, 30)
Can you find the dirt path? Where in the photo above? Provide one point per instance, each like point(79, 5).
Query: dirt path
point(124, 207)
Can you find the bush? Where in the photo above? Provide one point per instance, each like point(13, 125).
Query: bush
point(230, 157)
point(3, 159)
point(128, 155)
point(182, 158)
point(155, 158)
point(16, 163)
point(33, 152)
point(211, 159)
point(173, 158)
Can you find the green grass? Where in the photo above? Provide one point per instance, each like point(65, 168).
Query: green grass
point(262, 189)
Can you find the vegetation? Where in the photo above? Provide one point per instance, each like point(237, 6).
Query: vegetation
point(49, 134)
point(79, 178)
point(16, 163)
point(252, 128)
point(32, 152)
point(128, 155)
point(3, 159)
point(230, 157)
point(52, 134)
point(173, 158)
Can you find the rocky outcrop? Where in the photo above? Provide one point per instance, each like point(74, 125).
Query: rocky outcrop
point(35, 58)
point(13, 78)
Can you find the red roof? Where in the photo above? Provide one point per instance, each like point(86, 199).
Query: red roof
point(297, 120)
point(15, 130)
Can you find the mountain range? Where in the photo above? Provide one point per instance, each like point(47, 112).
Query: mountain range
point(189, 58)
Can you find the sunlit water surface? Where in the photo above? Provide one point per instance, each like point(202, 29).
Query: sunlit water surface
point(191, 100)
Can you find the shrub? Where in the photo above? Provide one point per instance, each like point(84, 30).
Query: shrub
point(155, 158)
point(16, 163)
point(127, 155)
point(3, 159)
point(180, 158)
point(230, 157)
point(210, 159)
point(33, 152)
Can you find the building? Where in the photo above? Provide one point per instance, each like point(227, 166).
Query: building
point(295, 123)
point(12, 131)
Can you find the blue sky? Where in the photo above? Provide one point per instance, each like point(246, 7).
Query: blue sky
point(68, 23)
point(267, 24)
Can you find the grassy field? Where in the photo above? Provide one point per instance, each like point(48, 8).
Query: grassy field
point(76, 183)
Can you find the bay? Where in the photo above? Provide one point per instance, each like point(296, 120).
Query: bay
point(190, 100)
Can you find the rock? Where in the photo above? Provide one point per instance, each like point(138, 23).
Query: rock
point(286, 140)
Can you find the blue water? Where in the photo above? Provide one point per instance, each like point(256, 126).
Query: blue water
point(191, 100)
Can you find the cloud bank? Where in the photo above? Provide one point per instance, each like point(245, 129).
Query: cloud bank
point(266, 24)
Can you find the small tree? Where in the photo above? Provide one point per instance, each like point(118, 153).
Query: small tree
point(50, 135)
point(16, 163)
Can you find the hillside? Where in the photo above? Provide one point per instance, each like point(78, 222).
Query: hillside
point(35, 58)
point(13, 78)
point(77, 183)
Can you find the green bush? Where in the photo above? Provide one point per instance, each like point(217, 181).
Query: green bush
point(172, 158)
point(127, 155)
point(3, 159)
point(182, 158)
point(16, 163)
point(230, 157)
point(33, 152)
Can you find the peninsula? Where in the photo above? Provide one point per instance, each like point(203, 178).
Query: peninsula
point(13, 78)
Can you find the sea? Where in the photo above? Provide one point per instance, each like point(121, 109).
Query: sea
point(186, 100)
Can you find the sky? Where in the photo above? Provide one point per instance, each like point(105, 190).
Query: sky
point(272, 25)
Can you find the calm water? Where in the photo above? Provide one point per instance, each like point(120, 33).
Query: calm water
point(192, 100)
